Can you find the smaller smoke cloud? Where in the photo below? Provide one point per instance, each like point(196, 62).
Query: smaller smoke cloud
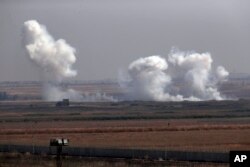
point(87, 97)
point(183, 76)
point(221, 73)
point(55, 93)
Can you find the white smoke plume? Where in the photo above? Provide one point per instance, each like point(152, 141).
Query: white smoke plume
point(183, 76)
point(56, 93)
point(53, 93)
point(55, 59)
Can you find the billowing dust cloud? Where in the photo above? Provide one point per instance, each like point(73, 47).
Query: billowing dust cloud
point(182, 76)
point(55, 59)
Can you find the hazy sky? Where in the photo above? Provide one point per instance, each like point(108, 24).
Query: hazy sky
point(109, 34)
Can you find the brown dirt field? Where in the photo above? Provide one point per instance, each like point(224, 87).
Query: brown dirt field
point(193, 126)
point(132, 134)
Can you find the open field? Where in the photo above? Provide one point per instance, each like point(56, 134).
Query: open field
point(194, 126)
point(212, 126)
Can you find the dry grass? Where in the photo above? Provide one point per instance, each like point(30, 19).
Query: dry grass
point(179, 137)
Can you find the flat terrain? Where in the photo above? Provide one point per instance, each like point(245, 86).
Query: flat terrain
point(27, 160)
point(196, 126)
point(212, 126)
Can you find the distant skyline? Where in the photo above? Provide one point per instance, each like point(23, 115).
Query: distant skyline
point(109, 34)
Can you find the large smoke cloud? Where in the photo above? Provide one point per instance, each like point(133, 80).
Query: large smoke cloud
point(55, 59)
point(183, 76)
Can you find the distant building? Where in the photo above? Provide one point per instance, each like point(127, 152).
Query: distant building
point(64, 102)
